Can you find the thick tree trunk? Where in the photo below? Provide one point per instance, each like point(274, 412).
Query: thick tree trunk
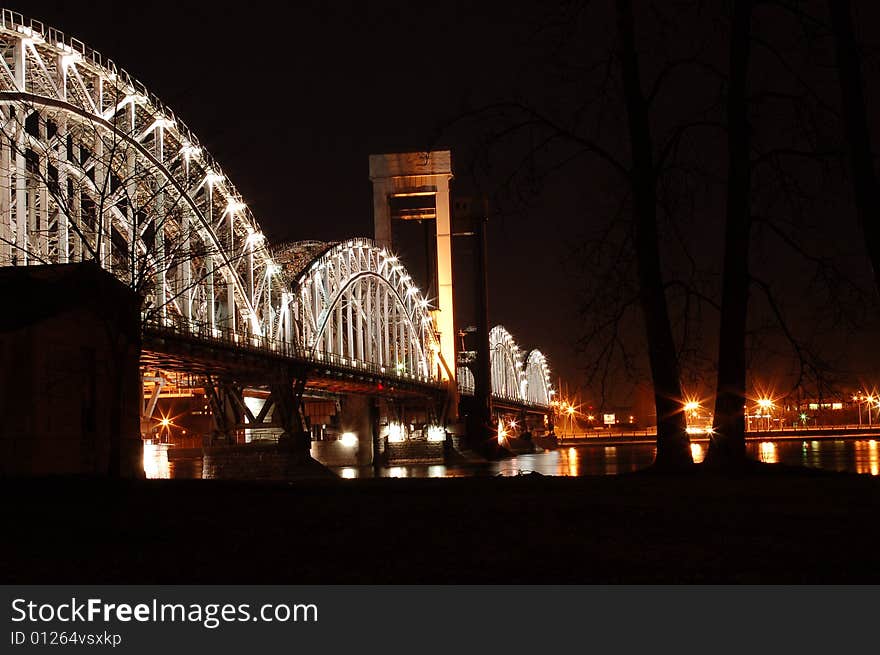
point(867, 195)
point(727, 446)
point(673, 447)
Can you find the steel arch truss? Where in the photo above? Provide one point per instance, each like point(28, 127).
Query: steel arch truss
point(94, 167)
point(515, 377)
point(539, 390)
point(356, 304)
point(505, 361)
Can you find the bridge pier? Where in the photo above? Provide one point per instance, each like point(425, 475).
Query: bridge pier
point(358, 414)
point(226, 404)
point(287, 396)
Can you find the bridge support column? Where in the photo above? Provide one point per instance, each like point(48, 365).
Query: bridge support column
point(287, 396)
point(357, 417)
point(225, 408)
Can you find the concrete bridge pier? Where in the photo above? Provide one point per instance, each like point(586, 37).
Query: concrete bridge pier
point(287, 398)
point(226, 409)
point(360, 417)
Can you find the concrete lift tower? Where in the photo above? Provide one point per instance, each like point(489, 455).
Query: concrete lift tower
point(415, 186)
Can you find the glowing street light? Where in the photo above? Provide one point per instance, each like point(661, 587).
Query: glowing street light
point(766, 405)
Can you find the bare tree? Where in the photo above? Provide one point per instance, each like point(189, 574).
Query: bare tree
point(727, 445)
point(858, 135)
point(673, 449)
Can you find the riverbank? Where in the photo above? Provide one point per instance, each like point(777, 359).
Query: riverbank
point(777, 525)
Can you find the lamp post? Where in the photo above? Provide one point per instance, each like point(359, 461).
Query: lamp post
point(766, 405)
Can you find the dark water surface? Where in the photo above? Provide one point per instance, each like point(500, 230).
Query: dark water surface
point(855, 455)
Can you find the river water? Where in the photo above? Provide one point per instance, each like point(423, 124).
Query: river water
point(855, 455)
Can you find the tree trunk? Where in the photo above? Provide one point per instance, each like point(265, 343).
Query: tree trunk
point(673, 447)
point(856, 124)
point(727, 446)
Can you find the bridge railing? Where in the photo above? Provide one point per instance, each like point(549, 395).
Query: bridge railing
point(179, 326)
point(468, 390)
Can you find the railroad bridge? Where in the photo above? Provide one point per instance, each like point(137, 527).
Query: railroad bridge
point(272, 337)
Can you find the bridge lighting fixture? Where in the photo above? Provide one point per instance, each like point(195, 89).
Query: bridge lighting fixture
point(36, 37)
point(189, 151)
point(502, 433)
point(396, 432)
point(71, 57)
point(348, 439)
point(213, 178)
point(235, 206)
point(436, 433)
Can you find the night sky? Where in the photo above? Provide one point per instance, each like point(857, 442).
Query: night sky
point(292, 100)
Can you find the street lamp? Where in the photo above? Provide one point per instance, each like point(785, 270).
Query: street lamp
point(766, 405)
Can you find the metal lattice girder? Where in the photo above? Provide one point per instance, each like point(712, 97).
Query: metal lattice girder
point(94, 167)
point(505, 360)
point(355, 303)
point(539, 389)
point(515, 377)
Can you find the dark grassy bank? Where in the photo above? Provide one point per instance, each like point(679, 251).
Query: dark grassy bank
point(771, 526)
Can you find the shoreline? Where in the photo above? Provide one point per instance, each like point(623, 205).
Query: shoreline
point(772, 524)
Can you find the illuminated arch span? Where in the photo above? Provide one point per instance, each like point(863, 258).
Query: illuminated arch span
point(95, 167)
point(505, 361)
point(465, 380)
point(539, 390)
point(354, 302)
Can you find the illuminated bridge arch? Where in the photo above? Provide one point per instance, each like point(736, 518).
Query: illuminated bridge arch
point(354, 302)
point(539, 390)
point(95, 167)
point(505, 362)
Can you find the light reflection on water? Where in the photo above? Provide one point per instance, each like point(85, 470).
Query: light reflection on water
point(853, 455)
point(767, 452)
point(156, 460)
